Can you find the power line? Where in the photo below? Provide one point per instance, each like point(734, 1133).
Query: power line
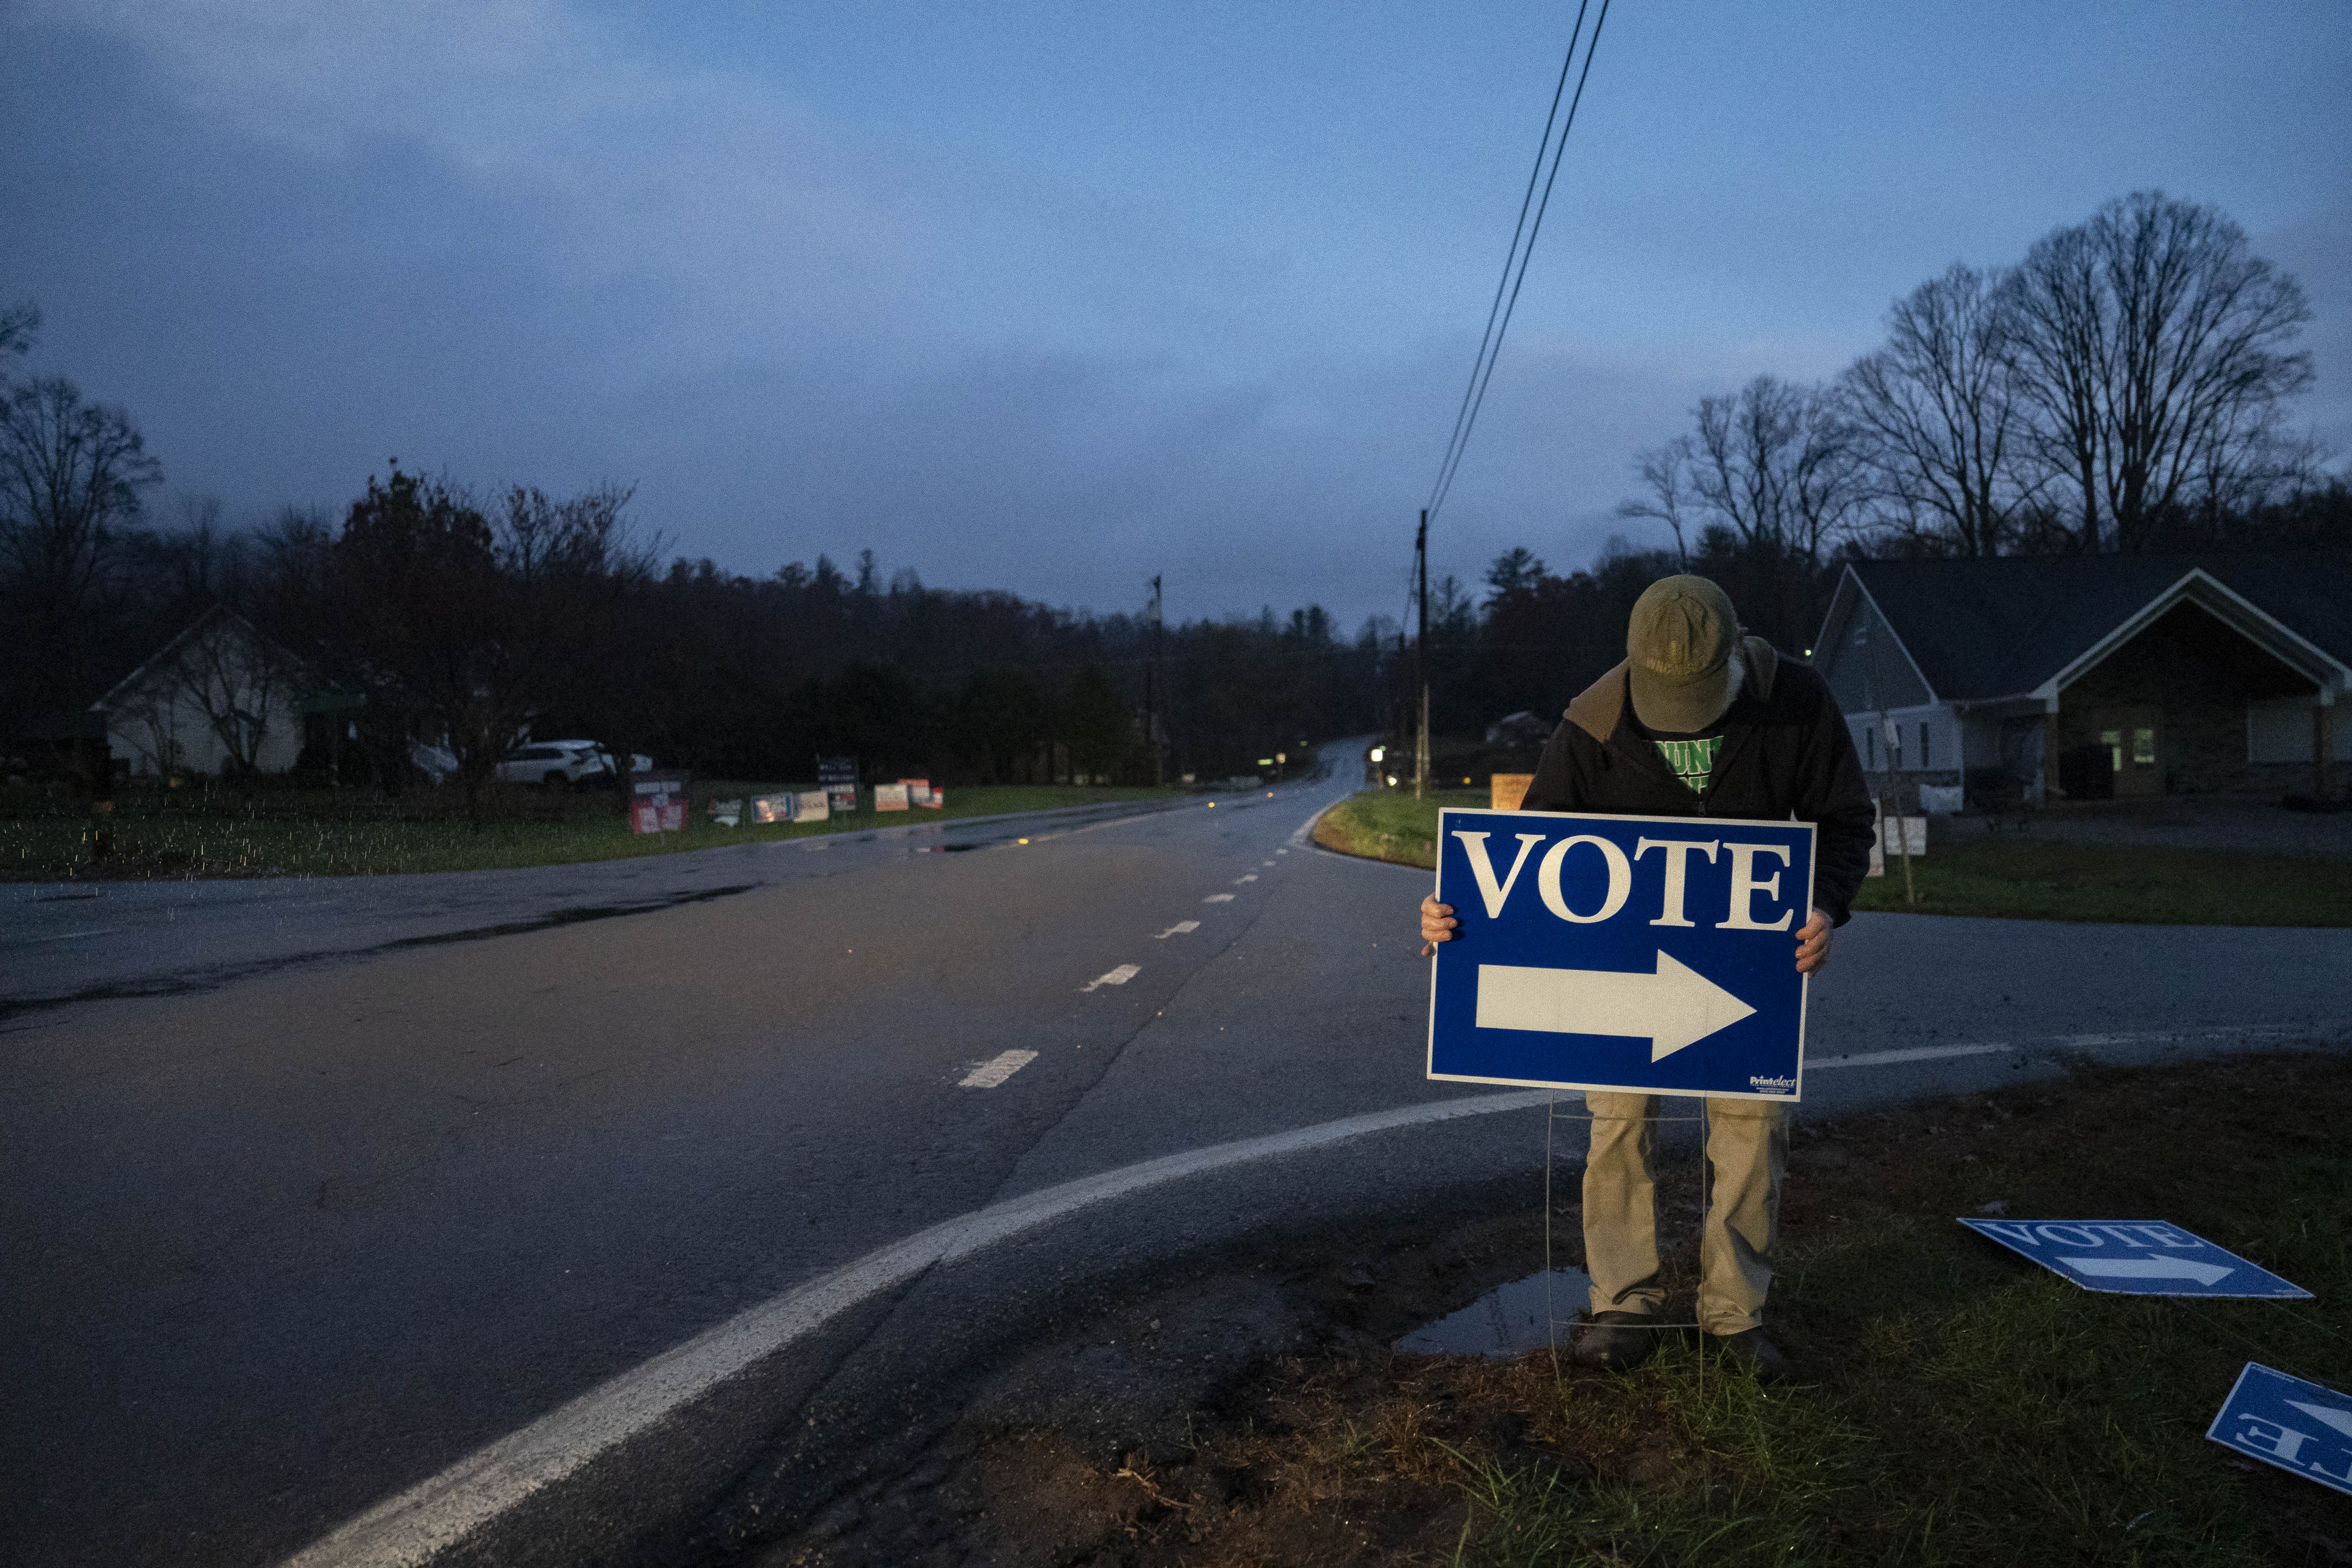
point(1486, 338)
point(1498, 315)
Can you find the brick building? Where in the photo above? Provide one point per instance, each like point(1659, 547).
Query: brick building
point(2093, 676)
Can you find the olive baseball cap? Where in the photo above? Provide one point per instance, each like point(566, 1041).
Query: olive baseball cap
point(1678, 647)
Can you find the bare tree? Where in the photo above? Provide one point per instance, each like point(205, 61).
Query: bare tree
point(464, 621)
point(70, 473)
point(1665, 470)
point(1940, 427)
point(1776, 463)
point(18, 323)
point(2153, 347)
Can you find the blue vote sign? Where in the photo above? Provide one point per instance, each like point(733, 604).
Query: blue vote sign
point(1652, 954)
point(2136, 1257)
point(2287, 1422)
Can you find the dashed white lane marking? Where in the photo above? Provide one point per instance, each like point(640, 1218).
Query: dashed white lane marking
point(1917, 1054)
point(1182, 928)
point(1251, 878)
point(1266, 862)
point(436, 1514)
point(1218, 899)
point(1120, 976)
point(1278, 852)
point(996, 1070)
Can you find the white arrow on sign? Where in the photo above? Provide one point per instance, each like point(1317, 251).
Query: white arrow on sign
point(2154, 1266)
point(1674, 1007)
point(2339, 1419)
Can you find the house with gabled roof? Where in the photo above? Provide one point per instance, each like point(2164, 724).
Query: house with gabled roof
point(219, 698)
point(2095, 677)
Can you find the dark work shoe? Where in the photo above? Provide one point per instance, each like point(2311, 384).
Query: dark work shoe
point(1749, 1348)
point(1616, 1341)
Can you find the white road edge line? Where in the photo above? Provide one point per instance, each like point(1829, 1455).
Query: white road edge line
point(416, 1525)
point(70, 935)
point(2249, 1034)
point(1917, 1054)
point(996, 1070)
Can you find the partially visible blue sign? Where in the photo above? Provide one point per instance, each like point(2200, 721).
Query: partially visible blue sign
point(2284, 1421)
point(2136, 1257)
point(1654, 954)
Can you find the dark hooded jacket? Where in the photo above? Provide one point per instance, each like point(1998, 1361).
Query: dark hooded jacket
point(1786, 752)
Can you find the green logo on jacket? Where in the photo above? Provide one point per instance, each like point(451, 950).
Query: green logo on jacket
point(1692, 760)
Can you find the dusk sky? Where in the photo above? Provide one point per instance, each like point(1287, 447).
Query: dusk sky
point(1049, 297)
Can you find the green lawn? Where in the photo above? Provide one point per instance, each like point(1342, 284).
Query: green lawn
point(281, 832)
point(1959, 1406)
point(1970, 871)
point(1389, 825)
point(1954, 1405)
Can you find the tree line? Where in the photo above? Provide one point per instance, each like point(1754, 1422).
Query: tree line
point(468, 619)
point(2124, 386)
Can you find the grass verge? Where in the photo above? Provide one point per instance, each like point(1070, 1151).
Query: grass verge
point(1390, 825)
point(1955, 1406)
point(317, 833)
point(1964, 1408)
point(1969, 871)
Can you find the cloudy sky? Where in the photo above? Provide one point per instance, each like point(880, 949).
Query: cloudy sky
point(1051, 297)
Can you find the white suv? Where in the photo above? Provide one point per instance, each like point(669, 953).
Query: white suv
point(554, 762)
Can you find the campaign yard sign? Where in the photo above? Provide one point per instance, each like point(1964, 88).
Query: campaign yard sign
point(1654, 954)
point(2136, 1257)
point(2285, 1421)
point(658, 802)
point(837, 776)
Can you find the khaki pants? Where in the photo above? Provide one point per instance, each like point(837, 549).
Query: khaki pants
point(1747, 1147)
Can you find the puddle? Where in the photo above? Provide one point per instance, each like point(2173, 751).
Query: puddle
point(1507, 1320)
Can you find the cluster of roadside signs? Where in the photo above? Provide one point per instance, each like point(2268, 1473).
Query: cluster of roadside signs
point(1655, 955)
point(657, 800)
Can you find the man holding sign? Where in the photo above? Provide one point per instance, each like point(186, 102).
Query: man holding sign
point(1698, 722)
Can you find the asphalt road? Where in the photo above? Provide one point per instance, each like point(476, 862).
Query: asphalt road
point(292, 1219)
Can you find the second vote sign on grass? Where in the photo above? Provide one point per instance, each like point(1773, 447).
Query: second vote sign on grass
point(1655, 954)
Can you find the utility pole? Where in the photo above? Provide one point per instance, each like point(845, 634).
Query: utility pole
point(1152, 693)
point(1401, 708)
point(1420, 664)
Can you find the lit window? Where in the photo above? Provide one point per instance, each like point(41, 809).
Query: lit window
point(2113, 739)
point(2143, 748)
